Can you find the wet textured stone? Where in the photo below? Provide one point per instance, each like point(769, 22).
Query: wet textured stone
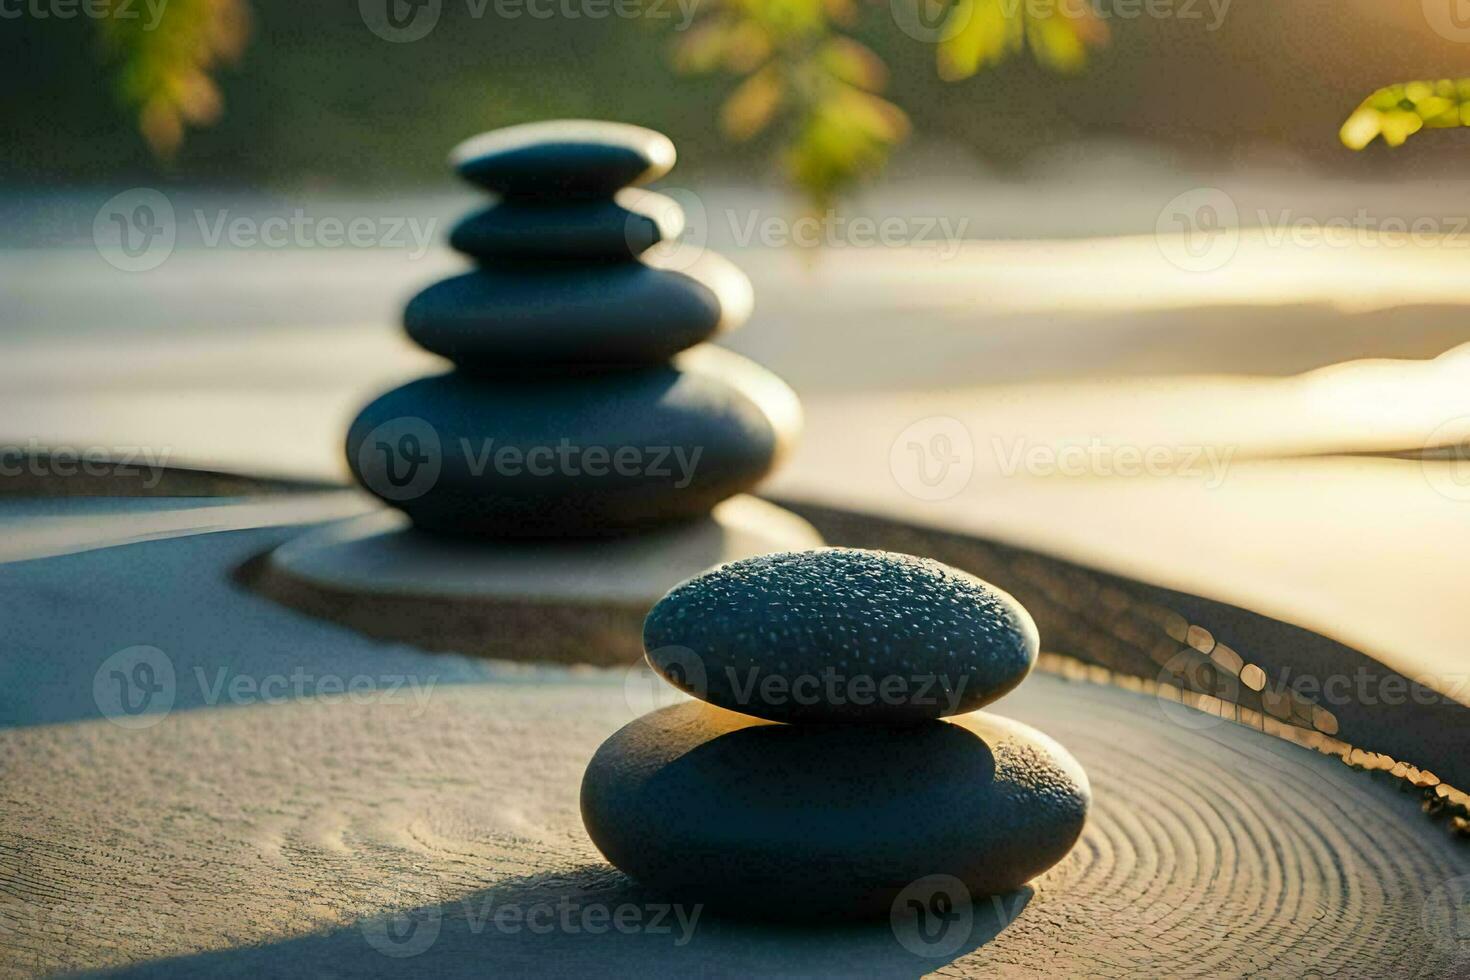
point(571, 457)
point(506, 317)
point(841, 635)
point(565, 159)
point(528, 231)
point(801, 821)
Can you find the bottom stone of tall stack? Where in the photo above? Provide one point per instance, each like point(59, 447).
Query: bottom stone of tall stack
point(579, 601)
point(779, 821)
point(549, 458)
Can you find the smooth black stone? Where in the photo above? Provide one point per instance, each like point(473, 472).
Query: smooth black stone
point(841, 635)
point(502, 318)
point(564, 158)
point(823, 821)
point(623, 228)
point(491, 459)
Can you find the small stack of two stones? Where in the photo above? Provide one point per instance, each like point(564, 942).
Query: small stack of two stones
point(834, 756)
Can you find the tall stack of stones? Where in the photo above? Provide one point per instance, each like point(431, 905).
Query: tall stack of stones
point(583, 400)
point(834, 764)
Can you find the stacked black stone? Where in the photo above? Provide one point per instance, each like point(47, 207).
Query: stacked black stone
point(577, 407)
point(820, 774)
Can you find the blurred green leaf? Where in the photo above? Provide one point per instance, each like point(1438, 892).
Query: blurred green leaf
point(824, 84)
point(750, 107)
point(799, 73)
point(978, 34)
point(728, 43)
point(841, 140)
point(1396, 112)
point(854, 63)
point(163, 68)
point(703, 48)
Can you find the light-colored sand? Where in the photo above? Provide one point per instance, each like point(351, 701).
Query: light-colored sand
point(64, 527)
point(244, 826)
point(571, 602)
point(265, 839)
point(378, 554)
point(255, 837)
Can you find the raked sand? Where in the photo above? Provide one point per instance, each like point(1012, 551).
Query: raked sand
point(257, 837)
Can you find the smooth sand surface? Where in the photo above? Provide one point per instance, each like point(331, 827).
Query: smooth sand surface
point(379, 554)
point(336, 838)
point(571, 602)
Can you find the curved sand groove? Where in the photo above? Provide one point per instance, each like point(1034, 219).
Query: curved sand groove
point(261, 836)
point(245, 839)
point(560, 602)
point(1229, 660)
point(1244, 666)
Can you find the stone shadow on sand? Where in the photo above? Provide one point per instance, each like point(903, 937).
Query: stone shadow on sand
point(590, 921)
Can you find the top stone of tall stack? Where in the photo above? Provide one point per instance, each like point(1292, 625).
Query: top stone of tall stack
point(566, 278)
point(564, 159)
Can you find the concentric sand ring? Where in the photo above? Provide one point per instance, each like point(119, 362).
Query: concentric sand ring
point(1214, 852)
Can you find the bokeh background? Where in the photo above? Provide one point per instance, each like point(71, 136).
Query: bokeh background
point(318, 101)
point(1135, 259)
